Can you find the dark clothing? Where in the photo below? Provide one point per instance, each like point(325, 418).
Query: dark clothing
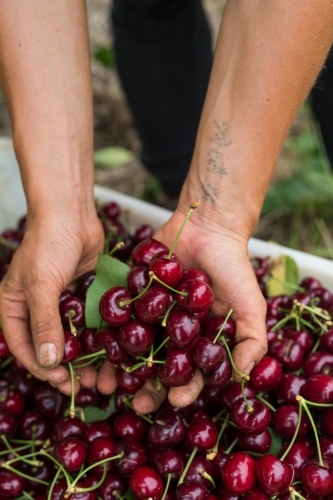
point(163, 52)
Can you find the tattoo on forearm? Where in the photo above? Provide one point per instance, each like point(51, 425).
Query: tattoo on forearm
point(216, 163)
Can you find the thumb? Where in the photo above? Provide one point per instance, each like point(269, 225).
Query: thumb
point(46, 328)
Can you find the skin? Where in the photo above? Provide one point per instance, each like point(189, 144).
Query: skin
point(267, 57)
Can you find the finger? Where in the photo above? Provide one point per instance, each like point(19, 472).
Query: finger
point(87, 376)
point(66, 387)
point(20, 344)
point(150, 397)
point(46, 328)
point(186, 394)
point(106, 380)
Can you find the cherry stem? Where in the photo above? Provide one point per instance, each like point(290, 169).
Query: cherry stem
point(166, 487)
point(89, 356)
point(319, 405)
point(187, 466)
point(207, 476)
point(224, 323)
point(154, 277)
point(72, 328)
point(73, 489)
point(315, 347)
point(88, 362)
point(8, 244)
point(300, 408)
point(213, 451)
point(248, 406)
point(231, 447)
point(295, 493)
point(25, 476)
point(241, 375)
point(302, 402)
point(193, 206)
point(317, 311)
point(100, 462)
point(118, 246)
point(7, 362)
point(24, 458)
point(165, 341)
point(164, 320)
point(123, 303)
point(72, 410)
point(57, 474)
point(26, 495)
point(20, 448)
point(263, 400)
point(68, 478)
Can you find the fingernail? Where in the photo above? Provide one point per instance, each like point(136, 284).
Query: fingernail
point(47, 354)
point(249, 368)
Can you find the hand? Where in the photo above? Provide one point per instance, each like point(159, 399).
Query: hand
point(54, 252)
point(224, 257)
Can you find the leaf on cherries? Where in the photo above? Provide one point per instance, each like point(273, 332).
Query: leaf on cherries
point(96, 414)
point(110, 272)
point(283, 277)
point(276, 445)
point(128, 495)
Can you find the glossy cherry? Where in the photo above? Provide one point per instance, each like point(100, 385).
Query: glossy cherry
point(239, 473)
point(168, 269)
point(200, 295)
point(266, 375)
point(178, 369)
point(71, 452)
point(114, 306)
point(182, 327)
point(275, 477)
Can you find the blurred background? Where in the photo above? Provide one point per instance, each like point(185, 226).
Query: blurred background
point(299, 204)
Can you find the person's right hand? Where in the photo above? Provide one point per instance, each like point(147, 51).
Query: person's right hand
point(55, 251)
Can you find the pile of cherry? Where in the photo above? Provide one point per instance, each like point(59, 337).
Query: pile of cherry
point(268, 436)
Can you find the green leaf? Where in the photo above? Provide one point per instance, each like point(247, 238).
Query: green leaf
point(283, 277)
point(105, 55)
point(276, 443)
point(110, 272)
point(112, 157)
point(128, 495)
point(96, 414)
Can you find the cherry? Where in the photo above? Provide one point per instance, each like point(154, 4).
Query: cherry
point(253, 421)
point(83, 283)
point(80, 495)
point(326, 422)
point(325, 298)
point(71, 452)
point(221, 376)
point(326, 446)
point(288, 352)
point(11, 485)
point(72, 349)
point(191, 490)
point(259, 443)
point(202, 434)
point(121, 252)
point(100, 449)
point(146, 483)
point(304, 338)
point(145, 251)
point(309, 283)
point(200, 471)
point(24, 383)
point(96, 430)
point(289, 387)
point(65, 295)
point(326, 340)
point(167, 430)
point(127, 382)
point(285, 420)
point(232, 392)
point(113, 487)
point(199, 295)
point(130, 424)
point(319, 389)
point(170, 462)
point(143, 232)
point(34, 425)
point(194, 273)
point(137, 279)
point(318, 362)
point(178, 369)
point(317, 479)
point(275, 477)
point(88, 341)
point(208, 355)
point(114, 306)
point(256, 494)
point(111, 210)
point(266, 375)
point(239, 473)
point(87, 397)
point(59, 488)
point(49, 401)
point(11, 401)
point(44, 471)
point(66, 427)
point(297, 456)
point(135, 456)
point(72, 311)
point(153, 305)
point(182, 327)
point(260, 267)
point(8, 424)
point(108, 338)
point(4, 349)
point(136, 337)
point(168, 269)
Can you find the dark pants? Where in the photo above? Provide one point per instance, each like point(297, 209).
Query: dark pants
point(164, 56)
point(321, 99)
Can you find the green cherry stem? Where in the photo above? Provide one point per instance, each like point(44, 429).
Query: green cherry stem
point(302, 402)
point(89, 356)
point(224, 323)
point(21, 458)
point(7, 362)
point(123, 303)
point(154, 277)
point(73, 489)
point(187, 466)
point(72, 328)
point(213, 451)
point(248, 406)
point(300, 408)
point(295, 493)
point(57, 474)
point(193, 206)
point(25, 476)
point(227, 348)
point(118, 246)
point(166, 487)
point(164, 320)
point(263, 400)
point(100, 462)
point(88, 362)
point(68, 478)
point(27, 496)
point(207, 476)
point(231, 447)
point(72, 410)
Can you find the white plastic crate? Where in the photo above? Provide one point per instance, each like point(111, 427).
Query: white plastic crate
point(13, 206)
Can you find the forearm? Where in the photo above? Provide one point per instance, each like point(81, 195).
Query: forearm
point(267, 57)
point(45, 73)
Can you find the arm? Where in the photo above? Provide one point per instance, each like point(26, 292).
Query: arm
point(267, 57)
point(45, 73)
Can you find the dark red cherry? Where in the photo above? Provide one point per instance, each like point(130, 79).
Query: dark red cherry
point(260, 267)
point(258, 443)
point(289, 387)
point(266, 375)
point(134, 456)
point(239, 473)
point(317, 479)
point(114, 306)
point(11, 401)
point(111, 210)
point(146, 484)
point(108, 338)
point(170, 462)
point(202, 433)
point(34, 425)
point(199, 295)
point(4, 349)
point(49, 401)
point(214, 324)
point(285, 420)
point(232, 392)
point(319, 389)
point(136, 337)
point(8, 424)
point(254, 421)
point(145, 251)
point(275, 477)
point(11, 485)
point(96, 430)
point(303, 337)
point(153, 305)
point(326, 446)
point(288, 352)
point(191, 490)
point(127, 382)
point(200, 470)
point(167, 430)
point(72, 309)
point(129, 424)
point(72, 349)
point(168, 269)
point(318, 362)
point(194, 273)
point(178, 369)
point(137, 279)
point(83, 283)
point(182, 327)
point(310, 283)
point(88, 341)
point(326, 421)
point(71, 452)
point(326, 340)
point(324, 298)
point(297, 456)
point(221, 376)
point(99, 449)
point(207, 355)
point(143, 232)
point(256, 494)
point(66, 427)
point(113, 487)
